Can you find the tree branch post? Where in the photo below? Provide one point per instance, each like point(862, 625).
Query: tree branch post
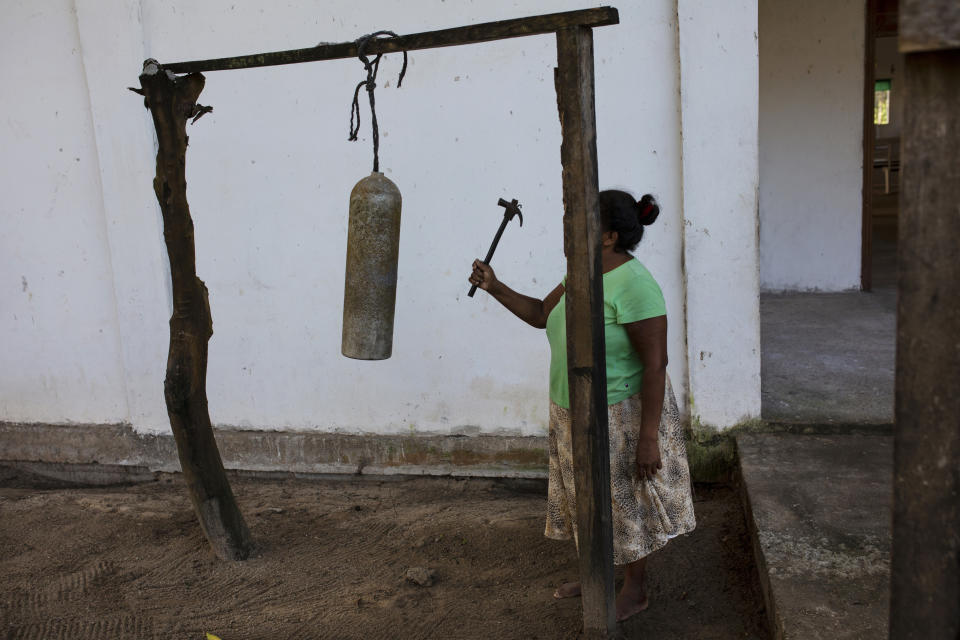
point(172, 100)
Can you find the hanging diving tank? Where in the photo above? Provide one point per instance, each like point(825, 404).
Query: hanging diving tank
point(370, 290)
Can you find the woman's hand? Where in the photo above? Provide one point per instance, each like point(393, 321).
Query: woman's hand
point(648, 457)
point(532, 311)
point(483, 276)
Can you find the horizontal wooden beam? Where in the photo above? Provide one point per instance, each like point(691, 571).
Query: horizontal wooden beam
point(535, 25)
point(928, 25)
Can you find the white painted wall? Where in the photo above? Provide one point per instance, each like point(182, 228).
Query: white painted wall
point(811, 132)
point(60, 359)
point(111, 37)
point(718, 62)
point(269, 173)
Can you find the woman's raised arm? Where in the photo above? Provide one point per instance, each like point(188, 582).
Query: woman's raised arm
point(532, 311)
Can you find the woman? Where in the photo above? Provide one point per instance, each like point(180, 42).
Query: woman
point(649, 477)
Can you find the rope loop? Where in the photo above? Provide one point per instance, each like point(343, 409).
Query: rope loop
point(371, 67)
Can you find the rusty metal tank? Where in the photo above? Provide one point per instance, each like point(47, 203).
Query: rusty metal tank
point(370, 289)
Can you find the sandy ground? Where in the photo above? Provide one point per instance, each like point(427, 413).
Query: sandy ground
point(332, 555)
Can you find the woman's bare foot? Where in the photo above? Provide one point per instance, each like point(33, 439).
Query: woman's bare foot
point(630, 602)
point(632, 598)
point(567, 590)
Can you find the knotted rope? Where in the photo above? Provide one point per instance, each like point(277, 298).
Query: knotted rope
point(371, 83)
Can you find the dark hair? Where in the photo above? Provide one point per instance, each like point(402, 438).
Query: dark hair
point(621, 213)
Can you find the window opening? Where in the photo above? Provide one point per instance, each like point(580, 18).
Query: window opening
point(881, 102)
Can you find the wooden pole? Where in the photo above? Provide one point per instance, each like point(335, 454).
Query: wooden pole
point(172, 100)
point(472, 34)
point(925, 566)
point(869, 140)
point(586, 354)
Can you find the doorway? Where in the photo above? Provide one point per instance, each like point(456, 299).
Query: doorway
point(883, 117)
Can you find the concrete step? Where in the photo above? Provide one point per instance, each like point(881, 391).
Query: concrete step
point(819, 507)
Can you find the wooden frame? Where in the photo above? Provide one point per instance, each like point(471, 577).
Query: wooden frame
point(925, 589)
point(536, 25)
point(869, 137)
point(586, 354)
point(172, 101)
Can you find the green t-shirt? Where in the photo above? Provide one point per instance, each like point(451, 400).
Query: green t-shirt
point(630, 294)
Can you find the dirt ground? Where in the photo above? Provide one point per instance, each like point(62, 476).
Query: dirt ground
point(130, 562)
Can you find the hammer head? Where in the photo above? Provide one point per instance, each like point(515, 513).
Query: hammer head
point(512, 208)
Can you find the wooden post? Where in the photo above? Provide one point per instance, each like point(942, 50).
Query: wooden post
point(869, 140)
point(925, 584)
point(586, 354)
point(172, 100)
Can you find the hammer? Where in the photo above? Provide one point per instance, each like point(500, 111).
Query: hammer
point(511, 209)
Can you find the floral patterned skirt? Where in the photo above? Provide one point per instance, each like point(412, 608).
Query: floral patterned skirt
point(646, 513)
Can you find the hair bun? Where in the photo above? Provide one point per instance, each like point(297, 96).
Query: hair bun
point(647, 210)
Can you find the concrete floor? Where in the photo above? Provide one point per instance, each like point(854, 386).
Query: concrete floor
point(819, 504)
point(828, 358)
point(820, 508)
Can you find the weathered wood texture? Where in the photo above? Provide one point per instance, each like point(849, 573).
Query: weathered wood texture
point(925, 569)
point(585, 339)
point(172, 100)
point(869, 138)
point(486, 32)
point(884, 18)
point(929, 25)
